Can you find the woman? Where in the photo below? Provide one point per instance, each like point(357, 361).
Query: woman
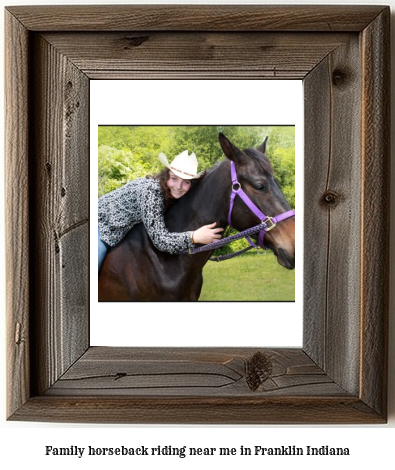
point(145, 200)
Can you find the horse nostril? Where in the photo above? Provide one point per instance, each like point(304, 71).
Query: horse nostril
point(285, 259)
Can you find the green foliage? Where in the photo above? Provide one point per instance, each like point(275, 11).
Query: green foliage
point(283, 160)
point(144, 143)
point(203, 140)
point(117, 167)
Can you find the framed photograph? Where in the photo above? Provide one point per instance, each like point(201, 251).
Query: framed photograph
point(339, 374)
point(128, 159)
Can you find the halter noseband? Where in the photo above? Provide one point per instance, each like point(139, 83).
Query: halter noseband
point(265, 220)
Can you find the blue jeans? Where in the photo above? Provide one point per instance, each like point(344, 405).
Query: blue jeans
point(103, 248)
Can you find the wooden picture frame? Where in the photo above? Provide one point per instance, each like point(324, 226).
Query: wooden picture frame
point(340, 374)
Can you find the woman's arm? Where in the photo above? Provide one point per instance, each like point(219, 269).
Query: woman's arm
point(152, 207)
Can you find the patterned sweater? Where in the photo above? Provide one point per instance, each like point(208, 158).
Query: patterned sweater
point(140, 200)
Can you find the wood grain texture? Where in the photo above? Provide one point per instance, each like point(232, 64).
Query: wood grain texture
point(316, 227)
point(333, 222)
point(60, 213)
point(186, 372)
point(198, 410)
point(196, 54)
point(376, 211)
point(17, 213)
point(339, 376)
point(122, 385)
point(196, 17)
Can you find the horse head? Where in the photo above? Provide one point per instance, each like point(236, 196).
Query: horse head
point(256, 177)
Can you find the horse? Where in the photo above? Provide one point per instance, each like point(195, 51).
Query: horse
point(134, 270)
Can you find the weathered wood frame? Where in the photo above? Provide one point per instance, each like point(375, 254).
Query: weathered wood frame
point(340, 374)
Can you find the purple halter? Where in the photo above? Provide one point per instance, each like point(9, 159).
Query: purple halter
point(265, 220)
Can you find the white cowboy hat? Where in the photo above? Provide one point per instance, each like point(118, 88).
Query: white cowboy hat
point(184, 166)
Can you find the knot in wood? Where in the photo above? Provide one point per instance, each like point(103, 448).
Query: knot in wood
point(330, 199)
point(259, 369)
point(135, 41)
point(340, 77)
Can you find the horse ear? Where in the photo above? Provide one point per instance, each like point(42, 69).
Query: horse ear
point(262, 147)
point(230, 150)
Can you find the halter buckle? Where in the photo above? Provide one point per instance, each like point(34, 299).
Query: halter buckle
point(273, 224)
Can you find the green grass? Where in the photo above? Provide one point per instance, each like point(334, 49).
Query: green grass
point(248, 277)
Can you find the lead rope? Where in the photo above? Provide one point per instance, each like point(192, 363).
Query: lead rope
point(225, 241)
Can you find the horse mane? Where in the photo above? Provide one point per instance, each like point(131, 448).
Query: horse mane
point(261, 159)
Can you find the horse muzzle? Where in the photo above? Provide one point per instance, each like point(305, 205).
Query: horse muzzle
point(286, 259)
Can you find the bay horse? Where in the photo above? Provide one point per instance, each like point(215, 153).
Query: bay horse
point(135, 270)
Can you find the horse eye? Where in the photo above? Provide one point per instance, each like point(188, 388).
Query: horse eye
point(260, 187)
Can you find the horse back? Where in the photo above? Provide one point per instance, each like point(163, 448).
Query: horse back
point(135, 270)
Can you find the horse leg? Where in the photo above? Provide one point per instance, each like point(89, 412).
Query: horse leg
point(196, 287)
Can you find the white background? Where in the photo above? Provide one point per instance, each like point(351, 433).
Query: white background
point(186, 102)
point(22, 445)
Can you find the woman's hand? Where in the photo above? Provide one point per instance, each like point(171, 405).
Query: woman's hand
point(207, 234)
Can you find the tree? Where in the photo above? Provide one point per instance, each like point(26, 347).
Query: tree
point(117, 167)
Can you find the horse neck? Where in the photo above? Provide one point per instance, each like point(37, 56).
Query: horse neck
point(204, 204)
